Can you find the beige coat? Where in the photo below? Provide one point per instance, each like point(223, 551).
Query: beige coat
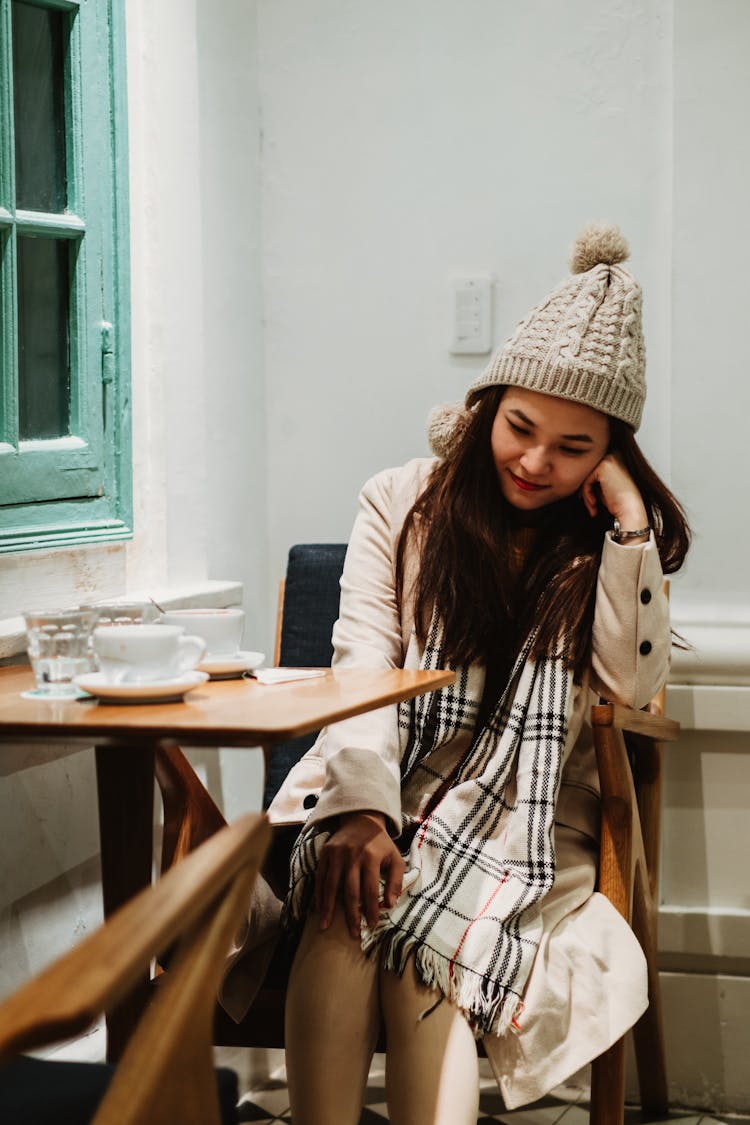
point(588, 982)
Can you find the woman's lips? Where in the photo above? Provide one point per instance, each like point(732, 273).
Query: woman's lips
point(526, 485)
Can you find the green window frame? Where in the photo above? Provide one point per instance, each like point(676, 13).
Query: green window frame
point(64, 276)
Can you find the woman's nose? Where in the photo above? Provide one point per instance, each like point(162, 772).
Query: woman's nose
point(535, 460)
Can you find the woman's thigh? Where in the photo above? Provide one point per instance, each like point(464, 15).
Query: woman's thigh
point(432, 1073)
point(332, 1018)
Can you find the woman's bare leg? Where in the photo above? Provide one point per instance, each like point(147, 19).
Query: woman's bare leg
point(331, 1019)
point(432, 1073)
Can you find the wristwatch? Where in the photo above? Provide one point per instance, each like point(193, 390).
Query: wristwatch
point(619, 535)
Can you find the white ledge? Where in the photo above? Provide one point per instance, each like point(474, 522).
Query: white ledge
point(720, 654)
point(704, 931)
point(215, 594)
point(709, 707)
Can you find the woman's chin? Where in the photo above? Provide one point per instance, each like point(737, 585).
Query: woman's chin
point(528, 501)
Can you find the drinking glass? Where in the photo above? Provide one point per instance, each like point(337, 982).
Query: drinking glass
point(59, 648)
point(124, 613)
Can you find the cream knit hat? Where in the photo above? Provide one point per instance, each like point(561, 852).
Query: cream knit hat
point(583, 342)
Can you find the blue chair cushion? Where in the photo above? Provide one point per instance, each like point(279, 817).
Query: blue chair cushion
point(311, 607)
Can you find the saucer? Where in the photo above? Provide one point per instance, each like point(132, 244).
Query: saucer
point(158, 691)
point(230, 666)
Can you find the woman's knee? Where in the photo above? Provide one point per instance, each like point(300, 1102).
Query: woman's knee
point(329, 965)
point(414, 1013)
point(405, 998)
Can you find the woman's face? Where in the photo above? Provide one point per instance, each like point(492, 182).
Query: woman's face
point(545, 447)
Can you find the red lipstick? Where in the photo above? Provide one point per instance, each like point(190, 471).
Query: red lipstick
point(526, 485)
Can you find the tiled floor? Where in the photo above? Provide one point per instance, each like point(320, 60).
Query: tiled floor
point(266, 1100)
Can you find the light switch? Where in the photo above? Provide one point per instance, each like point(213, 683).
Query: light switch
point(471, 328)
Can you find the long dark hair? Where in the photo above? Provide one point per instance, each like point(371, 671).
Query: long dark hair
point(467, 535)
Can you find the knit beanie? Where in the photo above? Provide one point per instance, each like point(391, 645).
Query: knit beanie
point(584, 342)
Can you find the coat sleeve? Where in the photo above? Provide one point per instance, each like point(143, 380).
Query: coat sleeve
point(361, 754)
point(631, 641)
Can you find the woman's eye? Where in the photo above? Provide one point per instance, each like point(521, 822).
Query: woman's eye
point(518, 429)
point(571, 451)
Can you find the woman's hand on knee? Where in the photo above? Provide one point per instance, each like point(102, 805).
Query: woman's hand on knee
point(351, 865)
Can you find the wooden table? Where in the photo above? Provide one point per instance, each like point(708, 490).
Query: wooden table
point(220, 713)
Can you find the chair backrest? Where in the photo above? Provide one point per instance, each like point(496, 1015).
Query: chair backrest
point(309, 610)
point(166, 1072)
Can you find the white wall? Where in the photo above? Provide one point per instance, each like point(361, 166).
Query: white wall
point(711, 388)
point(705, 931)
point(197, 353)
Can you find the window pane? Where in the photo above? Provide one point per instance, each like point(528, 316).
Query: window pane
point(7, 424)
point(43, 363)
point(39, 100)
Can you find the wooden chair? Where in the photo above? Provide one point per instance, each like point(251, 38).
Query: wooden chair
point(629, 758)
point(166, 1073)
point(628, 747)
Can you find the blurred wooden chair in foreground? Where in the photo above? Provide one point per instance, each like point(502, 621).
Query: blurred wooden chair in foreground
point(166, 1073)
point(628, 747)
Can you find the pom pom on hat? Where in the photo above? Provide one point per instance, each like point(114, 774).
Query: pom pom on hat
point(446, 425)
point(598, 243)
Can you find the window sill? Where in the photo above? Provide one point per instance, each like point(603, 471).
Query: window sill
point(209, 594)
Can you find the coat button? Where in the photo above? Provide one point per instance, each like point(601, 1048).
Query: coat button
point(645, 596)
point(645, 648)
point(311, 800)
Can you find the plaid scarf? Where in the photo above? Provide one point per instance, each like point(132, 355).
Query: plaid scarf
point(477, 836)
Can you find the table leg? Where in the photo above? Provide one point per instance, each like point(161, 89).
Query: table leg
point(125, 786)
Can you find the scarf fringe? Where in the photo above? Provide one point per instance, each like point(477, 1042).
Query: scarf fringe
point(488, 1006)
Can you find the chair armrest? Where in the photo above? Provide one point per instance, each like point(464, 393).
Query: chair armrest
point(631, 792)
point(67, 997)
point(653, 726)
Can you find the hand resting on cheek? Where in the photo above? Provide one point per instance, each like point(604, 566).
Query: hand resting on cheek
point(617, 492)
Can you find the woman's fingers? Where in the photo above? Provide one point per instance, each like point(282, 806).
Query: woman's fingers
point(350, 867)
point(327, 881)
point(605, 485)
point(588, 494)
point(371, 893)
point(394, 879)
point(352, 899)
point(619, 493)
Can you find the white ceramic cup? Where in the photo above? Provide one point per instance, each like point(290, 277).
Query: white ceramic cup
point(221, 629)
point(145, 653)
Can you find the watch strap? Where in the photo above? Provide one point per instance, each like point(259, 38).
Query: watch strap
point(619, 535)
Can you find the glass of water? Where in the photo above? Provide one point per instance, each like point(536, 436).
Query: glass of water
point(59, 647)
point(124, 613)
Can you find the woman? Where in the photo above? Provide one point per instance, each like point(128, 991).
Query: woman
point(445, 876)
